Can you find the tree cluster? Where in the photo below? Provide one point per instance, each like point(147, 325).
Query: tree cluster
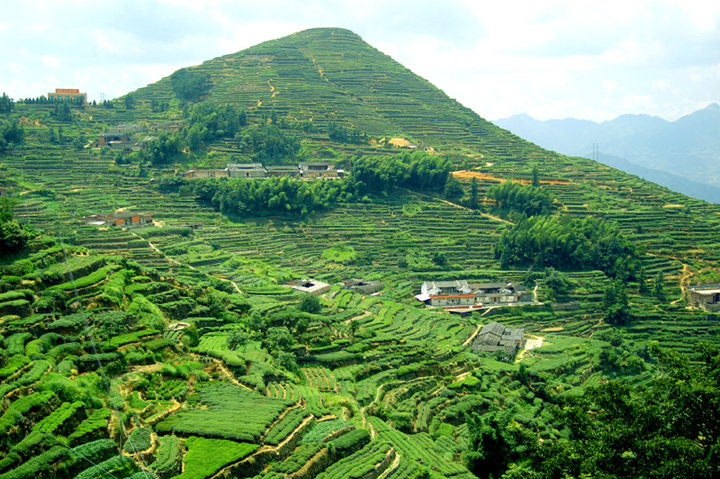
point(190, 85)
point(527, 199)
point(568, 243)
point(418, 170)
point(10, 133)
point(13, 236)
point(62, 112)
point(276, 195)
point(343, 134)
point(7, 105)
point(268, 143)
point(205, 123)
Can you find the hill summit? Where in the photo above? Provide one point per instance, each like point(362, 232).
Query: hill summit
point(331, 74)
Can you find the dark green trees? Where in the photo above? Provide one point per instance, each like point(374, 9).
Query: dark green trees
point(10, 133)
point(190, 85)
point(6, 104)
point(531, 201)
point(615, 304)
point(568, 243)
point(13, 236)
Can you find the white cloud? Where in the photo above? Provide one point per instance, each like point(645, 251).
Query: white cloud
point(49, 61)
point(556, 58)
point(660, 85)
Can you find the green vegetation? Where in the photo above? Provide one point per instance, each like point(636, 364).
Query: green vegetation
point(569, 244)
point(207, 456)
point(177, 345)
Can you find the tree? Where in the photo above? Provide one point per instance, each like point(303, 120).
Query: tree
point(13, 236)
point(556, 280)
point(129, 102)
point(453, 188)
point(659, 288)
point(310, 304)
point(239, 338)
point(669, 428)
point(492, 443)
point(190, 85)
point(535, 178)
point(353, 327)
point(615, 304)
point(474, 193)
point(6, 104)
point(278, 339)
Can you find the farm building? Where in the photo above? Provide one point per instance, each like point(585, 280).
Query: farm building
point(283, 170)
point(706, 296)
point(120, 219)
point(496, 337)
point(66, 94)
point(446, 294)
point(501, 293)
point(309, 286)
point(362, 286)
point(246, 170)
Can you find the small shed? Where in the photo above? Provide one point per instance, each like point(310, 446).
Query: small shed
point(362, 286)
point(311, 286)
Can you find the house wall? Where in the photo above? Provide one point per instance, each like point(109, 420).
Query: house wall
point(452, 301)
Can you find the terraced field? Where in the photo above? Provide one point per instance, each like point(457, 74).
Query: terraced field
point(174, 350)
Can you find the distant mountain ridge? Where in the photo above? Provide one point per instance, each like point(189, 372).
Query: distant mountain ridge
point(683, 155)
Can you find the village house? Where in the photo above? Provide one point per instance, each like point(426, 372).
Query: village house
point(496, 337)
point(206, 173)
point(311, 286)
point(705, 296)
point(318, 169)
point(501, 293)
point(67, 94)
point(446, 294)
point(119, 137)
point(123, 219)
point(282, 170)
point(246, 170)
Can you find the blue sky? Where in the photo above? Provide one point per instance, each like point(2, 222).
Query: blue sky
point(552, 59)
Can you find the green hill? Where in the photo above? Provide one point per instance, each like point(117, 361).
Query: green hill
point(330, 74)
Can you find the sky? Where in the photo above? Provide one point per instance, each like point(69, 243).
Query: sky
point(585, 59)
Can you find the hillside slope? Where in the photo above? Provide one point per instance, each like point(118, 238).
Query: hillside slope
point(330, 74)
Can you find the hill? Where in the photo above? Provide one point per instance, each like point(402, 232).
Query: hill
point(686, 148)
point(331, 74)
point(178, 347)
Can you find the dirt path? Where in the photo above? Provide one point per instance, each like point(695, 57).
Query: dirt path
point(472, 336)
point(531, 343)
point(460, 207)
point(686, 273)
point(393, 465)
point(264, 449)
point(360, 316)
